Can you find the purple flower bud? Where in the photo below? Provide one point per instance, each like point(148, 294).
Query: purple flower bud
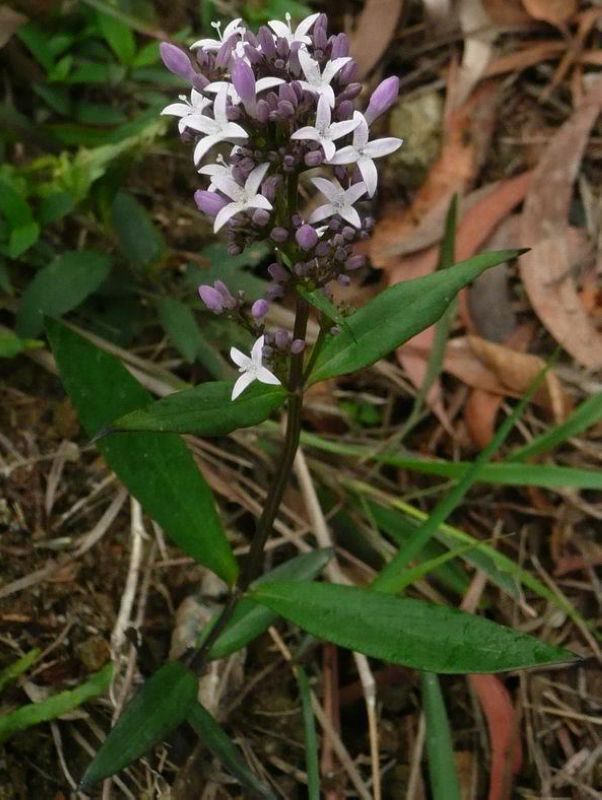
point(323, 249)
point(340, 254)
point(280, 63)
point(209, 202)
point(286, 92)
point(253, 54)
point(382, 98)
point(350, 92)
point(274, 291)
point(320, 35)
point(262, 111)
point(279, 235)
point(281, 339)
point(334, 224)
point(243, 80)
point(228, 299)
point(306, 237)
point(266, 42)
point(261, 217)
point(297, 346)
point(176, 60)
point(225, 52)
point(234, 249)
point(349, 73)
point(344, 110)
point(199, 81)
point(343, 280)
point(212, 298)
point(260, 308)
point(355, 262)
point(282, 47)
point(314, 158)
point(251, 38)
point(340, 46)
point(278, 272)
point(348, 233)
point(286, 109)
point(270, 186)
point(267, 351)
point(298, 89)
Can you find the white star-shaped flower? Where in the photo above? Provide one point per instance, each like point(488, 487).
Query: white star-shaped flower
point(362, 152)
point(326, 132)
point(260, 86)
point(217, 128)
point(220, 169)
point(319, 82)
point(340, 201)
point(285, 31)
point(252, 368)
point(243, 197)
point(187, 110)
point(231, 29)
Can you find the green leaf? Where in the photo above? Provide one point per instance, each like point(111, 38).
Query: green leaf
point(587, 414)
point(250, 620)
point(118, 36)
point(61, 287)
point(220, 744)
point(161, 704)
point(404, 631)
point(182, 328)
point(312, 767)
point(318, 300)
point(442, 768)
point(206, 410)
point(11, 344)
point(397, 314)
point(54, 206)
point(23, 230)
point(11, 672)
point(55, 706)
point(140, 241)
point(158, 470)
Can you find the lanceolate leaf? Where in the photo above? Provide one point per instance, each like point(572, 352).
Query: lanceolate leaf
point(319, 300)
point(206, 410)
point(397, 314)
point(56, 705)
point(158, 470)
point(442, 769)
point(218, 741)
point(404, 631)
point(250, 619)
point(162, 703)
point(59, 287)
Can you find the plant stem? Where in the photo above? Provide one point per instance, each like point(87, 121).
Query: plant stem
point(254, 563)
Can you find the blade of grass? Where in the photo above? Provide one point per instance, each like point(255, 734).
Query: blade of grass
point(392, 573)
point(585, 415)
point(311, 739)
point(443, 776)
point(11, 672)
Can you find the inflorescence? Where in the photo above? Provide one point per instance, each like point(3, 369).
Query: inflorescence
point(282, 102)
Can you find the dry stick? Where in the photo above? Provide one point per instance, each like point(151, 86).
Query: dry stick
point(414, 779)
point(336, 575)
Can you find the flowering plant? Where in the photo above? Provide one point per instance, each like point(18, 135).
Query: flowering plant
point(271, 117)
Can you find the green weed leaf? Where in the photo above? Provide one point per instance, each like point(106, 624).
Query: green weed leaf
point(158, 470)
point(161, 704)
point(405, 631)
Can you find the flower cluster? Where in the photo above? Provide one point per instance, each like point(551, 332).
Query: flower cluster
point(279, 105)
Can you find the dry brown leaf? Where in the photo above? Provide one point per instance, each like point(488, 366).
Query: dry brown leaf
point(479, 35)
point(10, 22)
point(525, 58)
point(374, 31)
point(556, 12)
point(506, 12)
point(546, 270)
point(480, 413)
point(467, 135)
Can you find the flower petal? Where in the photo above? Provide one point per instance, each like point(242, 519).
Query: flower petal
point(323, 115)
point(228, 186)
point(280, 28)
point(240, 359)
point(382, 147)
point(224, 214)
point(259, 201)
point(329, 189)
point(204, 145)
point(304, 26)
point(265, 376)
point(310, 67)
point(234, 131)
point(257, 351)
point(255, 178)
point(350, 215)
point(346, 155)
point(322, 212)
point(267, 83)
point(306, 133)
point(353, 193)
point(329, 147)
point(245, 380)
point(369, 173)
point(177, 109)
point(332, 67)
point(340, 129)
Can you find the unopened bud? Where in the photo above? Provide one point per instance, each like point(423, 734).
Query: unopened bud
point(382, 98)
point(314, 158)
point(209, 202)
point(279, 235)
point(297, 346)
point(212, 298)
point(260, 308)
point(176, 60)
point(355, 262)
point(306, 237)
point(261, 217)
